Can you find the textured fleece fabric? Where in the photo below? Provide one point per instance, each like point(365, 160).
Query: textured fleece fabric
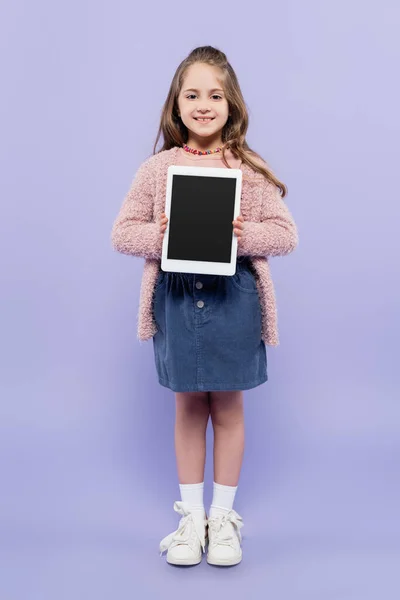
point(269, 230)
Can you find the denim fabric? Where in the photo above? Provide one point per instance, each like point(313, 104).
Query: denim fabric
point(212, 346)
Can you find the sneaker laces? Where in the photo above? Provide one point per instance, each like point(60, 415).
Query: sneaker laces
point(184, 534)
point(221, 535)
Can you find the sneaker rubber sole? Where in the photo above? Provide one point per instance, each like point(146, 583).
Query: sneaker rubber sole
point(187, 562)
point(229, 562)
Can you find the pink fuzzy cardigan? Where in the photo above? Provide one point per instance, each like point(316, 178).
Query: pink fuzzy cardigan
point(269, 230)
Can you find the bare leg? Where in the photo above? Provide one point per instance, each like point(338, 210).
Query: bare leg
point(227, 416)
point(192, 414)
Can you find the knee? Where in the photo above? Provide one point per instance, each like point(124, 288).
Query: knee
point(226, 409)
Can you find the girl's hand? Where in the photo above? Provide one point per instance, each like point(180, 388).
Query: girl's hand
point(163, 224)
point(238, 226)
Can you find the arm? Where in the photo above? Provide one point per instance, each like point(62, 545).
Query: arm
point(135, 232)
point(276, 234)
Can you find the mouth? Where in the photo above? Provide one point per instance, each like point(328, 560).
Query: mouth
point(204, 119)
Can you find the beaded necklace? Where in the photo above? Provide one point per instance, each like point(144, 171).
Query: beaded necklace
point(200, 152)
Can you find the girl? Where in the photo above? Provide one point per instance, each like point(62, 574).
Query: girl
point(209, 332)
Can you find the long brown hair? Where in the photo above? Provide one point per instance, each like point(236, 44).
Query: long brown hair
point(175, 133)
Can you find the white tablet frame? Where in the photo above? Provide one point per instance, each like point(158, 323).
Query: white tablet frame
point(197, 266)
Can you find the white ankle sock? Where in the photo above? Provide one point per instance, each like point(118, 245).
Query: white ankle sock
point(192, 493)
point(223, 498)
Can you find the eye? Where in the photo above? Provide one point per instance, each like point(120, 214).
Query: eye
point(214, 96)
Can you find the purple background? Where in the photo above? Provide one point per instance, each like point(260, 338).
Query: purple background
point(87, 461)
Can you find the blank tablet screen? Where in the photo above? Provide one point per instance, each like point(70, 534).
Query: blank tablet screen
point(202, 211)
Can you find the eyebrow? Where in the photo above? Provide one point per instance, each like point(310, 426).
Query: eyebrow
point(194, 90)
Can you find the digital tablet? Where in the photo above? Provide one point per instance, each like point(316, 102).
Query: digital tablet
point(201, 204)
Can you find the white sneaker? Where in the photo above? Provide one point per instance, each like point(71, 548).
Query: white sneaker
point(186, 545)
point(224, 539)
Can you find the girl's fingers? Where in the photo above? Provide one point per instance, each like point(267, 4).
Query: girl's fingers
point(163, 227)
point(238, 225)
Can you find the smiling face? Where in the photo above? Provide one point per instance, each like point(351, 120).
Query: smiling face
point(203, 106)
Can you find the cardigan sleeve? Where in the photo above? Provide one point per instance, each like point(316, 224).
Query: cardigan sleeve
point(135, 231)
point(276, 234)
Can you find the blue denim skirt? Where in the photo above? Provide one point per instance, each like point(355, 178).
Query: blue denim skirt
point(209, 331)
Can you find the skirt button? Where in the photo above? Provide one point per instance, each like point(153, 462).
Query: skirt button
point(199, 285)
point(200, 304)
